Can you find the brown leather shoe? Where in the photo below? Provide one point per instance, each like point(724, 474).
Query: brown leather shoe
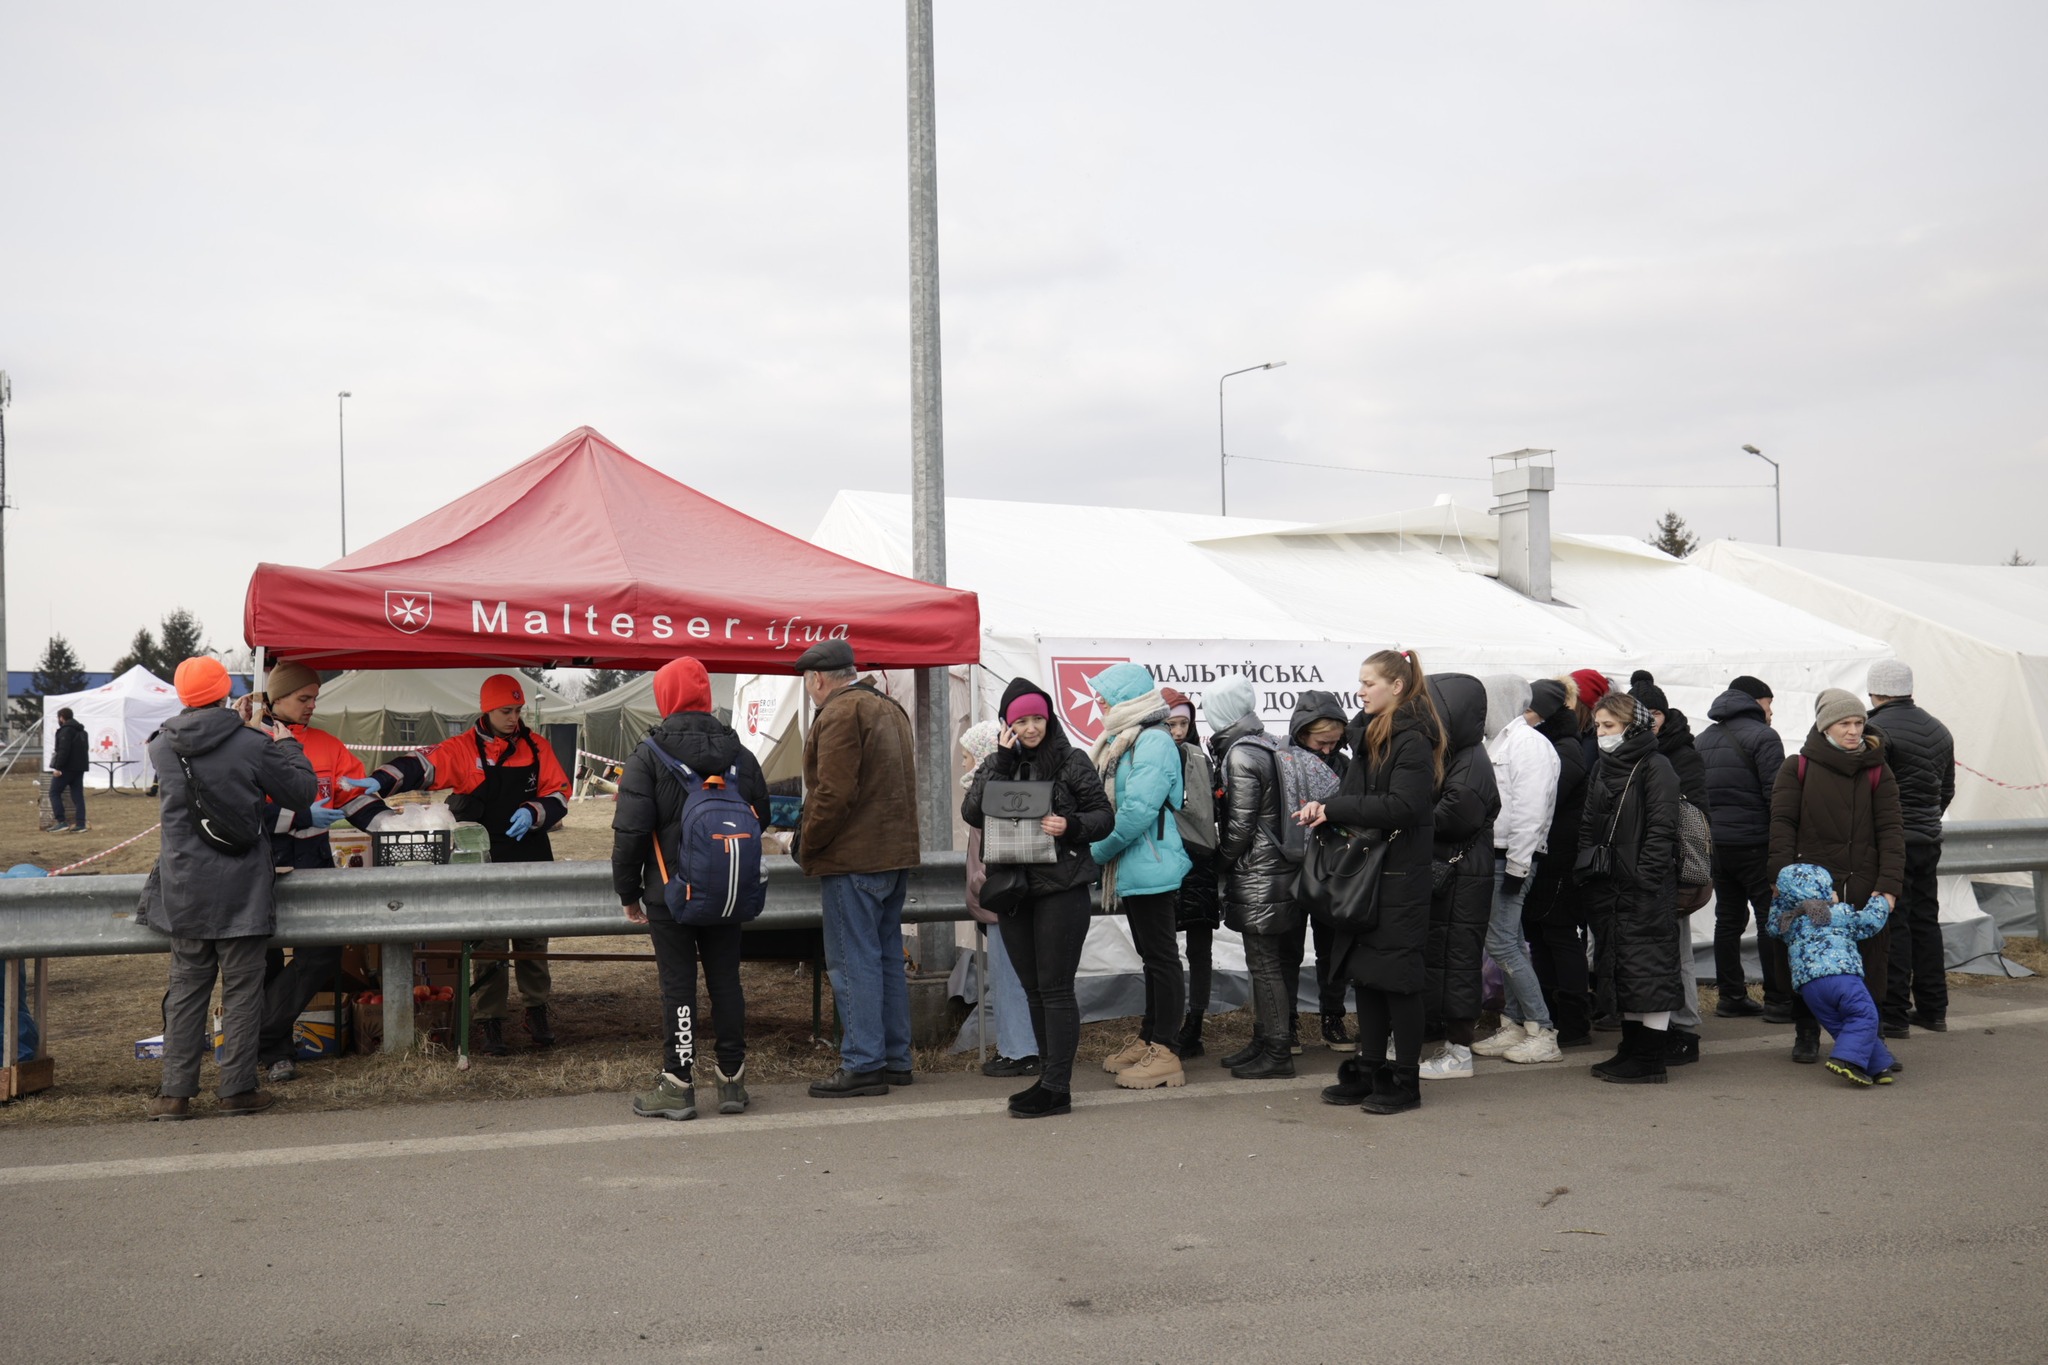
point(171, 1107)
point(248, 1102)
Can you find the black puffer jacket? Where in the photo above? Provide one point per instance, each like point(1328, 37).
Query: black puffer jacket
point(1398, 794)
point(1466, 806)
point(1254, 879)
point(651, 799)
point(1550, 888)
point(1635, 911)
point(1742, 754)
point(71, 752)
point(1923, 758)
point(1076, 794)
point(1312, 706)
point(1675, 742)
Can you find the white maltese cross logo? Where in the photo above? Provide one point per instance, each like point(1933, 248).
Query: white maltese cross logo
point(409, 611)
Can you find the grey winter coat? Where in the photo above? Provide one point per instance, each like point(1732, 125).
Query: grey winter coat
point(1254, 879)
point(1466, 806)
point(195, 890)
point(1742, 755)
point(1923, 758)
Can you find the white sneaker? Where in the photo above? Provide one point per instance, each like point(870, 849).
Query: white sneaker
point(1509, 1035)
point(1539, 1046)
point(1454, 1063)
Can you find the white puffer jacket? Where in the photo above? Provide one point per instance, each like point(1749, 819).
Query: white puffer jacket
point(1525, 769)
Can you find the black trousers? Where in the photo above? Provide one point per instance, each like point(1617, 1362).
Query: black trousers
point(1554, 923)
point(1155, 936)
point(1273, 994)
point(1383, 1013)
point(1329, 993)
point(1201, 966)
point(678, 948)
point(1916, 974)
point(288, 987)
point(1742, 888)
point(1044, 937)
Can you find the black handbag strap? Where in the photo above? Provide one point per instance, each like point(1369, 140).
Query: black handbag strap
point(1614, 817)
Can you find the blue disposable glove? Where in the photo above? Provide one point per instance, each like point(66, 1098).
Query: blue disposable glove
point(520, 825)
point(323, 814)
point(362, 784)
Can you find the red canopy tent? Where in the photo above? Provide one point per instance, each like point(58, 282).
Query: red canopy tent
point(584, 556)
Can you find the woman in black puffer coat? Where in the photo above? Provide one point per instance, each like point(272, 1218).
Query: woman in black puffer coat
point(1397, 762)
point(1554, 915)
point(1466, 806)
point(1045, 934)
point(1632, 809)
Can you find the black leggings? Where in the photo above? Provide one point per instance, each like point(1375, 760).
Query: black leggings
point(1383, 1012)
point(1158, 943)
point(1044, 937)
point(677, 950)
point(1201, 966)
point(1553, 918)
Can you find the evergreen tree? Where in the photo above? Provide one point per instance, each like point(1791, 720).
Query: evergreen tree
point(58, 673)
point(142, 650)
point(181, 638)
point(603, 680)
point(2019, 561)
point(1673, 538)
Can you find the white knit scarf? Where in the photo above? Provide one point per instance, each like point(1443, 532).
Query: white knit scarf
point(1120, 730)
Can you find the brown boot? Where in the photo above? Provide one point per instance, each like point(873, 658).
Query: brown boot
point(248, 1102)
point(1156, 1068)
point(170, 1107)
point(1129, 1055)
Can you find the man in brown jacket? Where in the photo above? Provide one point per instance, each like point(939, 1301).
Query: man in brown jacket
point(859, 837)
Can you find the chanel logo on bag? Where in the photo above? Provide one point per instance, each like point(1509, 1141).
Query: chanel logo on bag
point(1016, 804)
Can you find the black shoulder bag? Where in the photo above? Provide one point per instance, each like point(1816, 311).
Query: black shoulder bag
point(1339, 881)
point(216, 826)
point(1596, 864)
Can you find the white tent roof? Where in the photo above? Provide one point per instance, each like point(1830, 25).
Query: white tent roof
point(118, 716)
point(1975, 635)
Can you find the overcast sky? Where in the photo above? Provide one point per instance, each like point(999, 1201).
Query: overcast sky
point(1640, 234)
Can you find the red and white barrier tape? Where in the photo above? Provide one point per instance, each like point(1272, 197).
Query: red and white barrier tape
point(604, 758)
point(2011, 787)
point(105, 851)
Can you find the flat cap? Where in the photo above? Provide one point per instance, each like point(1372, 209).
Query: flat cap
point(827, 656)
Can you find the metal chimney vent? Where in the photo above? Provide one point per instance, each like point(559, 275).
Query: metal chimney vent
point(1521, 493)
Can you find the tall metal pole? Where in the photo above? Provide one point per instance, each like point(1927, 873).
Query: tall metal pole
point(1222, 456)
point(341, 448)
point(6, 702)
point(1777, 491)
point(936, 948)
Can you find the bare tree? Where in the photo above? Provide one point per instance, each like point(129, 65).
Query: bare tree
point(2019, 561)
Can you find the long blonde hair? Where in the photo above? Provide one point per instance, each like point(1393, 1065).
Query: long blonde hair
point(1401, 666)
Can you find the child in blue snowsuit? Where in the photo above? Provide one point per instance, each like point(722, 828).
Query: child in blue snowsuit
point(1821, 934)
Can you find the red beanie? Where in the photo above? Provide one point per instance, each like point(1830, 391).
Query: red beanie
point(201, 681)
point(500, 689)
point(682, 685)
point(1593, 686)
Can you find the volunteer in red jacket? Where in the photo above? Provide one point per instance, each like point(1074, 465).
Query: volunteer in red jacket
point(298, 838)
point(504, 777)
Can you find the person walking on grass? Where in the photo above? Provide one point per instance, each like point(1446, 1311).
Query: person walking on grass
point(69, 757)
point(646, 848)
point(1143, 863)
point(1922, 755)
point(1822, 936)
point(211, 888)
point(1044, 929)
point(859, 838)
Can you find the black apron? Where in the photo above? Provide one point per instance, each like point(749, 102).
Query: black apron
point(502, 792)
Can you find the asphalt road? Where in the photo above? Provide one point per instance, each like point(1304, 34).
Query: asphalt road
point(1751, 1210)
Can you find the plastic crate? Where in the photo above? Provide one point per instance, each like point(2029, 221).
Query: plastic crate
point(396, 847)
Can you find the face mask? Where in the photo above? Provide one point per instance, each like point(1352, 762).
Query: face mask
point(1609, 743)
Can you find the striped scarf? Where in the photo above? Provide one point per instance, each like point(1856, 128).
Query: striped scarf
point(1120, 730)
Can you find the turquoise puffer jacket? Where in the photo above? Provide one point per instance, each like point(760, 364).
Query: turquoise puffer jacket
point(1146, 849)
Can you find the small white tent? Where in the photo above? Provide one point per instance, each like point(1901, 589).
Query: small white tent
point(119, 718)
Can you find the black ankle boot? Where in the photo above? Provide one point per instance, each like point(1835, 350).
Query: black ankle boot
point(490, 1038)
point(1191, 1037)
point(1642, 1056)
point(1396, 1089)
point(1621, 1053)
point(1354, 1083)
point(1039, 1103)
point(1334, 1033)
point(1273, 1063)
point(1806, 1043)
point(1680, 1048)
point(1256, 1047)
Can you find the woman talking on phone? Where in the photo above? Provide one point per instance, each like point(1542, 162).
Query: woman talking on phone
point(1044, 930)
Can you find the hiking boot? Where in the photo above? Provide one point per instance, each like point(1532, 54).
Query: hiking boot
point(1040, 1103)
point(1680, 1048)
point(1497, 1043)
point(1012, 1066)
point(1933, 1023)
point(1335, 1037)
point(1540, 1046)
point(1156, 1068)
point(283, 1069)
point(248, 1102)
point(1274, 1063)
point(1250, 1052)
point(1127, 1055)
point(1191, 1037)
point(537, 1030)
point(168, 1108)
point(845, 1085)
point(732, 1090)
point(1454, 1063)
point(1806, 1044)
point(490, 1038)
point(1395, 1090)
point(669, 1098)
point(1737, 1007)
point(1354, 1083)
point(1850, 1072)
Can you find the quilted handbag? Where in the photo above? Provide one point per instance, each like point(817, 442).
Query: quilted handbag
point(1010, 812)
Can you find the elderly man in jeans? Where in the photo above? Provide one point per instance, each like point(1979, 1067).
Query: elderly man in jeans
point(859, 838)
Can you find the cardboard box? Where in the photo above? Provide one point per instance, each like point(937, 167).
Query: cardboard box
point(321, 1030)
point(149, 1049)
point(432, 1022)
point(351, 847)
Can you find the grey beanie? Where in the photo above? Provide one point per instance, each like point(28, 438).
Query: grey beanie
point(1891, 678)
point(1227, 703)
point(1836, 705)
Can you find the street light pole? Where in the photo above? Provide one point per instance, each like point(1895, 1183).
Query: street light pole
point(1777, 493)
point(1222, 454)
point(341, 446)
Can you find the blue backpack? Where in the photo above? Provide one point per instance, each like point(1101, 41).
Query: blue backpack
point(717, 878)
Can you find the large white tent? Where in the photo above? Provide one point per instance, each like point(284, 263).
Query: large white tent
point(119, 718)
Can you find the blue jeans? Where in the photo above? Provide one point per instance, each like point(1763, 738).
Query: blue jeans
point(1005, 999)
point(25, 1020)
point(73, 783)
point(864, 957)
point(1524, 1003)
